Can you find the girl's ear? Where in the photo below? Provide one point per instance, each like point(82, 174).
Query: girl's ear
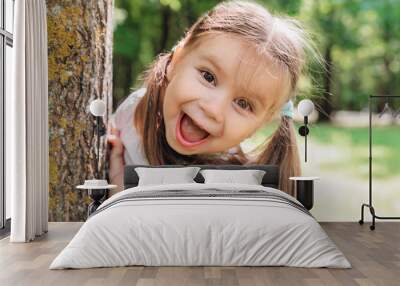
point(169, 70)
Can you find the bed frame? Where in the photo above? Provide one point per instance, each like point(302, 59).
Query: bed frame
point(270, 179)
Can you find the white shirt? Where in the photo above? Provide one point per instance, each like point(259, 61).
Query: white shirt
point(123, 121)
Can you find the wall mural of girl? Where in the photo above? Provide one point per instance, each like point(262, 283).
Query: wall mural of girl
point(234, 70)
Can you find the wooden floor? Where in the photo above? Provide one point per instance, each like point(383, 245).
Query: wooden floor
point(374, 255)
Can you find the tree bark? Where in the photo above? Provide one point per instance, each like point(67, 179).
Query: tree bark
point(122, 78)
point(165, 16)
point(388, 80)
point(80, 70)
point(326, 101)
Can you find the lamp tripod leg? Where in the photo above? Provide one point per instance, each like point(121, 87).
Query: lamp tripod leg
point(361, 221)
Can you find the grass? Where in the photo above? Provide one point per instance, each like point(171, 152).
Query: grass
point(345, 149)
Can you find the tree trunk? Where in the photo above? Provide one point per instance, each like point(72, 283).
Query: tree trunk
point(165, 16)
point(388, 80)
point(122, 78)
point(80, 70)
point(326, 102)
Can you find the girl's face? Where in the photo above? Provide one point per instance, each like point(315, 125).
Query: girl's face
point(219, 93)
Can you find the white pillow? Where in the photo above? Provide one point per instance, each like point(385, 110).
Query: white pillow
point(162, 176)
point(248, 177)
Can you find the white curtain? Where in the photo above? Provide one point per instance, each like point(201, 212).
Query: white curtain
point(27, 149)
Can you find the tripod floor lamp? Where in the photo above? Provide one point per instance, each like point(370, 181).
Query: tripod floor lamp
point(370, 203)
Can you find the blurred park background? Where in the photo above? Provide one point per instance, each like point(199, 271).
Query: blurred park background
point(360, 43)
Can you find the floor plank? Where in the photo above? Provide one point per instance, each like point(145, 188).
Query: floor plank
point(374, 255)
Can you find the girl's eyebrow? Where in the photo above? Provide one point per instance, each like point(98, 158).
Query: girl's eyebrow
point(214, 62)
point(257, 96)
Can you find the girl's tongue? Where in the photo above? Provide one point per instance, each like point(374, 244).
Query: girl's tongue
point(191, 131)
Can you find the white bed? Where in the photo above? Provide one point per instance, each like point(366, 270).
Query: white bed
point(201, 224)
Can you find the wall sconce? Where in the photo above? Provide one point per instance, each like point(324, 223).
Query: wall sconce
point(305, 108)
point(97, 188)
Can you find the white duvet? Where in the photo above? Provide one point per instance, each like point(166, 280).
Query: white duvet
point(182, 231)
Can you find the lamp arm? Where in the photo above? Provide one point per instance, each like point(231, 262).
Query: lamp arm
point(305, 137)
point(98, 145)
point(305, 147)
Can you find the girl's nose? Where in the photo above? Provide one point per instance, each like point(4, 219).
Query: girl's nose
point(215, 110)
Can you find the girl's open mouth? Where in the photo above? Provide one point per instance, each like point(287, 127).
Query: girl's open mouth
point(188, 133)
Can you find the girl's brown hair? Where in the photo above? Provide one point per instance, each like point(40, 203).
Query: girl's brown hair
point(278, 38)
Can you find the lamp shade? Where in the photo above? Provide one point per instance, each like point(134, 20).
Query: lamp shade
point(97, 107)
point(305, 107)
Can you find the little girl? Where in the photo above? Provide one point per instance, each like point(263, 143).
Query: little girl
point(234, 70)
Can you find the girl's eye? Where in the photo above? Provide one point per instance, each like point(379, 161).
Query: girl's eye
point(208, 76)
point(243, 104)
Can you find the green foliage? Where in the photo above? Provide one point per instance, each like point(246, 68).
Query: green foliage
point(175, 5)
